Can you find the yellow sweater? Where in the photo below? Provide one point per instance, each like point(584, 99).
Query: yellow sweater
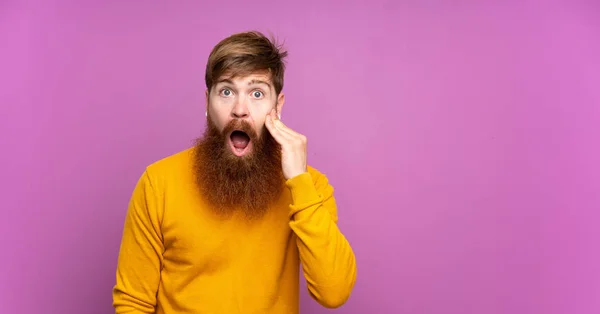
point(176, 256)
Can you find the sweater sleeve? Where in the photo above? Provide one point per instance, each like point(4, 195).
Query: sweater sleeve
point(140, 255)
point(328, 262)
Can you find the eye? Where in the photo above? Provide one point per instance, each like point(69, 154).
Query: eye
point(257, 94)
point(226, 92)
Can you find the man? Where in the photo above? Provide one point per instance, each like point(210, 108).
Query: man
point(222, 227)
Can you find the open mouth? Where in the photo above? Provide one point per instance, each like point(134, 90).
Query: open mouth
point(240, 142)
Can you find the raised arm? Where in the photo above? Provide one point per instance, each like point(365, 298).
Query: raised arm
point(140, 256)
point(328, 262)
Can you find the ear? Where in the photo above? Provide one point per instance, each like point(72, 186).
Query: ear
point(280, 102)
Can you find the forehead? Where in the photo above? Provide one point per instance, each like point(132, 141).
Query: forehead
point(246, 80)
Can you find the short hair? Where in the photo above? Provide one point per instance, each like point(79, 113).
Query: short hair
point(245, 53)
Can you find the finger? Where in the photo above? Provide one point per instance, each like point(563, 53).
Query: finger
point(279, 125)
point(282, 126)
point(292, 137)
point(285, 128)
point(279, 135)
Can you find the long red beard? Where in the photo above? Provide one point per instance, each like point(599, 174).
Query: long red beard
point(230, 183)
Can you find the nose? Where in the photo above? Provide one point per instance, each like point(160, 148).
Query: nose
point(240, 110)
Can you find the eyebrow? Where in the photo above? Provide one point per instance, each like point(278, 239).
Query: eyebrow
point(252, 82)
point(255, 82)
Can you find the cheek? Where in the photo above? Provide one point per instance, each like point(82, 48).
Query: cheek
point(260, 126)
point(218, 119)
point(219, 111)
point(259, 116)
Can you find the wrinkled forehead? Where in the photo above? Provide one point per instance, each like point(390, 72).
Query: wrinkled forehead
point(246, 79)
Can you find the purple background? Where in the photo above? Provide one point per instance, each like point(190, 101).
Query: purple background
point(463, 140)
